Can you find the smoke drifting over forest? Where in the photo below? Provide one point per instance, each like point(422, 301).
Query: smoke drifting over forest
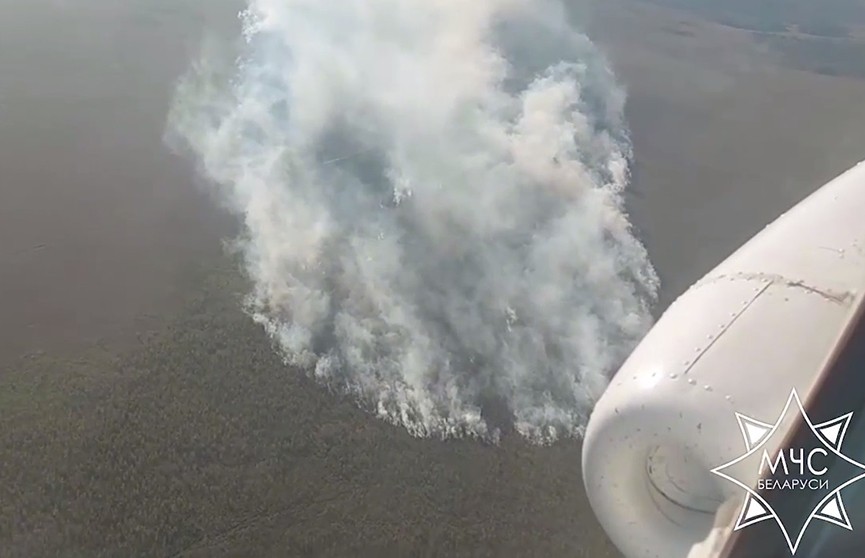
point(432, 200)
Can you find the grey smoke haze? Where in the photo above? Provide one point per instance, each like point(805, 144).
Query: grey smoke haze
point(432, 199)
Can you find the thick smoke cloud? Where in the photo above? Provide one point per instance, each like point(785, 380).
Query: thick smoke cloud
point(432, 199)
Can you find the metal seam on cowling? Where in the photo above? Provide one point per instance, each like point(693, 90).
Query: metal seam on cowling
point(657, 490)
point(843, 298)
point(727, 326)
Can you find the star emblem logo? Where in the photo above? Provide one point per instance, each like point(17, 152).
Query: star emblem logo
point(795, 469)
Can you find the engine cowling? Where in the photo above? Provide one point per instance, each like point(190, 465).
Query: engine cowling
point(761, 323)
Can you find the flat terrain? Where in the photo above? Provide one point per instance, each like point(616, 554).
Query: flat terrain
point(180, 433)
point(98, 222)
point(727, 133)
point(200, 443)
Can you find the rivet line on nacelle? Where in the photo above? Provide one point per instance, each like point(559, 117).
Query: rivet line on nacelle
point(724, 327)
point(843, 297)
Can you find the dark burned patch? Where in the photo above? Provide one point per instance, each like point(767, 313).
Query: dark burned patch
point(680, 29)
point(827, 18)
point(823, 37)
point(831, 57)
point(497, 414)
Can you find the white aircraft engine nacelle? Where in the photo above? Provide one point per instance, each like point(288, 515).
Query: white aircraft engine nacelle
point(739, 340)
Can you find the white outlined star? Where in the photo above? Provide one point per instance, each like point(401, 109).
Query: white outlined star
point(756, 434)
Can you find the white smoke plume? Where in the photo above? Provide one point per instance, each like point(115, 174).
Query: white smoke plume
point(432, 194)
